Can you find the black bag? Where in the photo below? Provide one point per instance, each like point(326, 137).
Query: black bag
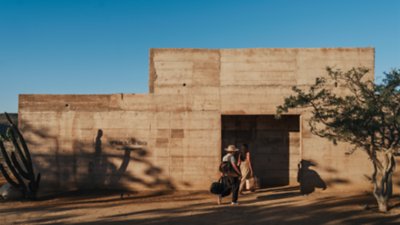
point(222, 187)
point(225, 167)
point(217, 187)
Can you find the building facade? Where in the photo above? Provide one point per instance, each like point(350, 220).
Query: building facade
point(200, 101)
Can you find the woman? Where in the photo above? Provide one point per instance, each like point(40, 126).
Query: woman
point(246, 167)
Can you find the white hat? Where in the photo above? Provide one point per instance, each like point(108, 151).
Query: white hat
point(231, 148)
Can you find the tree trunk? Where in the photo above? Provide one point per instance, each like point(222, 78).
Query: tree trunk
point(382, 199)
point(384, 166)
point(382, 204)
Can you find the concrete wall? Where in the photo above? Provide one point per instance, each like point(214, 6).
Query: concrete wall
point(171, 138)
point(146, 141)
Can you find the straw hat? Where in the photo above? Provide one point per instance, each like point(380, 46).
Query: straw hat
point(231, 148)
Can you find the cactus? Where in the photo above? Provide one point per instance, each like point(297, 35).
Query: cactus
point(19, 163)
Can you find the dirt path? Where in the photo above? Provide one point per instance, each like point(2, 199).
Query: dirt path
point(270, 206)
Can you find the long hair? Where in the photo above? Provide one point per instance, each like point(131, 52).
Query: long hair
point(244, 148)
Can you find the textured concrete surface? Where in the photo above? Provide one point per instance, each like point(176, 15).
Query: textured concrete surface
point(173, 137)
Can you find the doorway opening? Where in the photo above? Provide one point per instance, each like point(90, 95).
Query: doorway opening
point(274, 145)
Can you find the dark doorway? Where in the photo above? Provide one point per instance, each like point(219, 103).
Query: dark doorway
point(269, 143)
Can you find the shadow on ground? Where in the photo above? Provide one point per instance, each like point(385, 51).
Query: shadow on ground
point(272, 206)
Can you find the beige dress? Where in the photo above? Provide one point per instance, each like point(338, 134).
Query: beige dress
point(245, 171)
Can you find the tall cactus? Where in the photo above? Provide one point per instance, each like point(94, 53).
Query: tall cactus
point(19, 163)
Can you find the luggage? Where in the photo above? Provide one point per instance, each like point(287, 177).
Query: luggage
point(227, 169)
point(217, 187)
point(252, 183)
point(222, 187)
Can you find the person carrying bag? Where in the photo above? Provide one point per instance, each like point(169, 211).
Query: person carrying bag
point(230, 175)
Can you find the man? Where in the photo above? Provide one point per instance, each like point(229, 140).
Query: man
point(231, 177)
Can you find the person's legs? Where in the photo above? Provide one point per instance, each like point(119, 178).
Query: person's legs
point(235, 189)
point(219, 199)
point(227, 186)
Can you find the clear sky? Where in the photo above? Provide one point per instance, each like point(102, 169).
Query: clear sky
point(95, 47)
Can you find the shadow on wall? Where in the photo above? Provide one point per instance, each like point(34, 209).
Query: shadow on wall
point(309, 179)
point(96, 164)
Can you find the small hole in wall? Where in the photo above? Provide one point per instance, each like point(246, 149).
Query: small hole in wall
point(66, 105)
point(184, 84)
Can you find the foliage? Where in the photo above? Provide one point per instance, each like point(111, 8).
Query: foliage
point(367, 117)
point(347, 107)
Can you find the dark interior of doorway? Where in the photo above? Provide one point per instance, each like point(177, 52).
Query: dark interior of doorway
point(268, 141)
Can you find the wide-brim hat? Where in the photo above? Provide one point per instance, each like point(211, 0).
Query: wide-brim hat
point(231, 148)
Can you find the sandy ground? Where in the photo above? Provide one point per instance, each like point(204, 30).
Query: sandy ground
point(269, 206)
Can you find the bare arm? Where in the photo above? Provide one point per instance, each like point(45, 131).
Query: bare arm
point(236, 168)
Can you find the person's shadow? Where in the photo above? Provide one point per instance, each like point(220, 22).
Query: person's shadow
point(102, 172)
point(308, 178)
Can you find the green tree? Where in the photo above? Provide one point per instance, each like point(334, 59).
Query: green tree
point(347, 107)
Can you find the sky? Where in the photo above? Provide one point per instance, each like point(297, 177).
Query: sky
point(102, 46)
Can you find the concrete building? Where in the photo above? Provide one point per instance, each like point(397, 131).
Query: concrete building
point(200, 101)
